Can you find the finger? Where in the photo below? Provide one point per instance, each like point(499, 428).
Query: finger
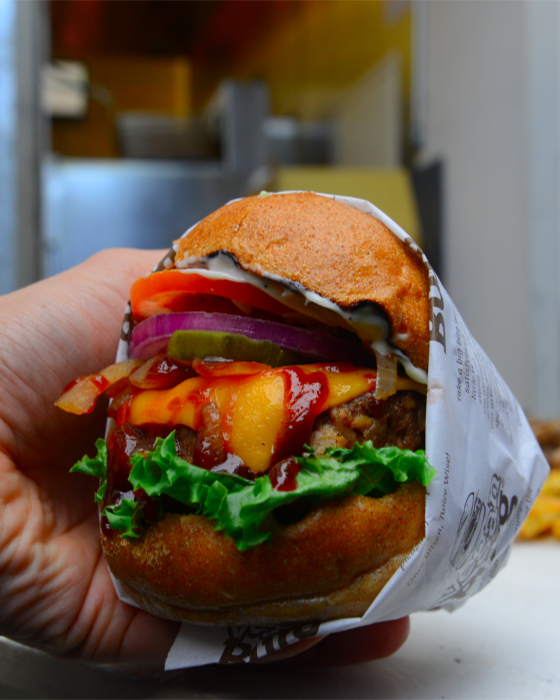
point(73, 331)
point(125, 263)
point(107, 630)
point(352, 647)
point(147, 644)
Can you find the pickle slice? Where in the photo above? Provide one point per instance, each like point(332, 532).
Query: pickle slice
point(190, 345)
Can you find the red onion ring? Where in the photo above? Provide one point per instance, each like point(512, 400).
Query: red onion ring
point(152, 335)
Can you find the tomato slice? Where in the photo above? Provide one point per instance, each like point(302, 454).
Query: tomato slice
point(172, 290)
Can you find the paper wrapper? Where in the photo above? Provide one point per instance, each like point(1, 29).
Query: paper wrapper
point(489, 471)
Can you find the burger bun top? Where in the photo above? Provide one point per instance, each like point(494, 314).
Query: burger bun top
point(328, 247)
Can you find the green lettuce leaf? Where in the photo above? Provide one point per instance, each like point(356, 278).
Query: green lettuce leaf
point(95, 466)
point(240, 507)
point(126, 517)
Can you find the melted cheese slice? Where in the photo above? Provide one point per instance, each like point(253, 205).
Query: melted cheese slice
point(256, 410)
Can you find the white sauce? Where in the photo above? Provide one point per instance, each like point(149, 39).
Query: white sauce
point(370, 326)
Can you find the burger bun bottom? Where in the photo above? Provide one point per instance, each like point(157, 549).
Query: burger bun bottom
point(331, 564)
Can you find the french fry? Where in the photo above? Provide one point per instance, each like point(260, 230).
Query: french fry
point(544, 518)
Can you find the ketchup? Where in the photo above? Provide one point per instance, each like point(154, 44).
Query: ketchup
point(147, 505)
point(304, 398)
point(283, 475)
point(210, 448)
point(122, 442)
point(165, 373)
point(377, 408)
point(304, 395)
point(234, 465)
point(98, 381)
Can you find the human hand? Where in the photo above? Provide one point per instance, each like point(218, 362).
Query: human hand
point(55, 588)
point(354, 646)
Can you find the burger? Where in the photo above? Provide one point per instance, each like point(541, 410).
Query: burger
point(264, 460)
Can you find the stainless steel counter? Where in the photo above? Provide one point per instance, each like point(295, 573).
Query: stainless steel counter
point(91, 204)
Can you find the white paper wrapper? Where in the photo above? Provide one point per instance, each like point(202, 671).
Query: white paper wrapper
point(489, 472)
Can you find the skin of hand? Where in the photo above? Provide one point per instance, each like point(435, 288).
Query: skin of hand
point(55, 590)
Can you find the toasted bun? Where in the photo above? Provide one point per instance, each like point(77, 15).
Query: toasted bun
point(331, 564)
point(330, 248)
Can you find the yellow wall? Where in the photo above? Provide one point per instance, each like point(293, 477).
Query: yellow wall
point(390, 189)
point(322, 49)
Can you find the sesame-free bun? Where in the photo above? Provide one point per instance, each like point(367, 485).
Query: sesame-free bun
point(334, 561)
point(331, 564)
point(328, 247)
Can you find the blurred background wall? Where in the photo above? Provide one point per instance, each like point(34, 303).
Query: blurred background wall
point(476, 122)
point(122, 123)
point(490, 113)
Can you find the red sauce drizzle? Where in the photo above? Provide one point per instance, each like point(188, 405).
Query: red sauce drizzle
point(377, 408)
point(122, 442)
point(227, 368)
point(234, 465)
point(98, 381)
point(72, 384)
point(122, 413)
point(147, 505)
point(283, 475)
point(166, 373)
point(106, 528)
point(305, 396)
point(209, 450)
